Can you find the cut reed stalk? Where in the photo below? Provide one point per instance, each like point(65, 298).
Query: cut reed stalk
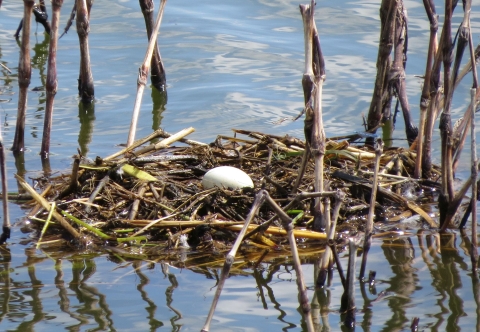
point(143, 73)
point(52, 83)
point(24, 75)
point(86, 89)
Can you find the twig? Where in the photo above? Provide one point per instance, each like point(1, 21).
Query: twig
point(373, 198)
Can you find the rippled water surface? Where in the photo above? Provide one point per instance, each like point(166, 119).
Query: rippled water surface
point(230, 64)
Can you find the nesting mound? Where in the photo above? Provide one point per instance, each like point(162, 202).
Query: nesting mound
point(151, 198)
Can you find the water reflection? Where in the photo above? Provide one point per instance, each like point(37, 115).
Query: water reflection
point(86, 115)
point(71, 290)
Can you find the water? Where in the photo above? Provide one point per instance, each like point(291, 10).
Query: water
point(229, 65)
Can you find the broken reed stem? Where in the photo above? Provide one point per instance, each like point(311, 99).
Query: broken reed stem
point(166, 142)
point(474, 245)
point(143, 73)
point(24, 75)
point(371, 212)
point(425, 97)
point(52, 83)
point(135, 144)
point(157, 72)
point(3, 173)
point(260, 197)
point(86, 88)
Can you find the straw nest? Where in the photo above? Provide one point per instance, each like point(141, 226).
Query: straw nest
point(149, 199)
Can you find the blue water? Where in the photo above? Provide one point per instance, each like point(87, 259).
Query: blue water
point(229, 64)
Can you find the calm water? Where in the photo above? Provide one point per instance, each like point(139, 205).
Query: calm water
point(230, 64)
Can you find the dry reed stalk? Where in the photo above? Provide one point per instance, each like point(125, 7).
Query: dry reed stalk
point(52, 83)
point(24, 75)
point(143, 73)
point(447, 192)
point(86, 88)
point(387, 18)
point(425, 97)
point(157, 72)
point(3, 174)
point(397, 70)
point(312, 82)
point(371, 212)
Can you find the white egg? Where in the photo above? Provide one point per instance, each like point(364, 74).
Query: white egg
point(226, 177)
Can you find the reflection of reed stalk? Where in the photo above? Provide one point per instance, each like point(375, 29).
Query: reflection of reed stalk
point(3, 173)
point(52, 83)
point(24, 75)
point(261, 197)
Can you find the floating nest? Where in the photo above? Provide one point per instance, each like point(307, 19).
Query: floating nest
point(150, 201)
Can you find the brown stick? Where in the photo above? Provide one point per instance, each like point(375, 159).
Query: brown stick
point(157, 72)
point(86, 88)
point(142, 75)
point(52, 83)
point(24, 75)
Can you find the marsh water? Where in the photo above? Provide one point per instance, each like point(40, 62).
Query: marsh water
point(230, 64)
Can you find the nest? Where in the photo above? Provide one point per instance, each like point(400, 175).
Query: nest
point(150, 200)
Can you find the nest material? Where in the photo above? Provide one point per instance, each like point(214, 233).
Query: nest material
point(155, 202)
